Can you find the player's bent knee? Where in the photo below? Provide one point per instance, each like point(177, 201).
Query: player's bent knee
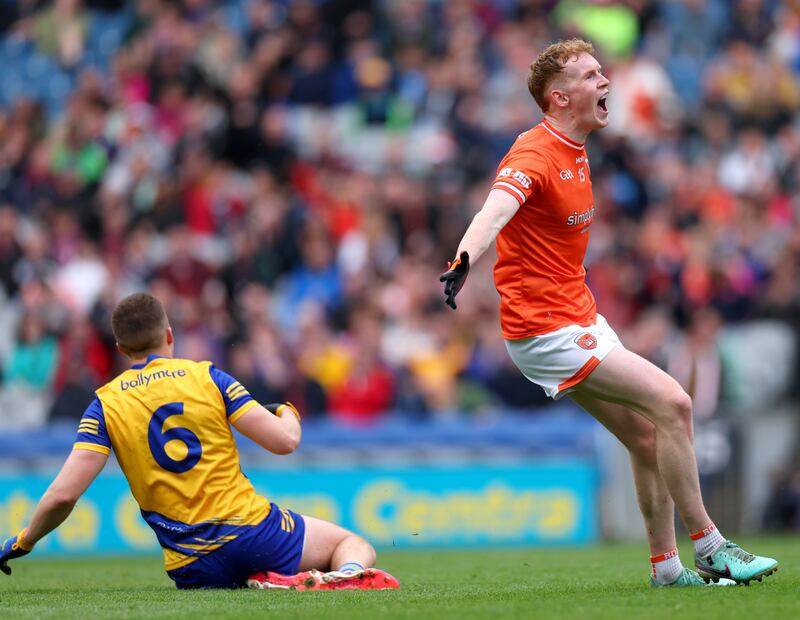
point(678, 409)
point(682, 404)
point(370, 555)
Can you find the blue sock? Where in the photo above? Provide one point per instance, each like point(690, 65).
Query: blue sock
point(350, 567)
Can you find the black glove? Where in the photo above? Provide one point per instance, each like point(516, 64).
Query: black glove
point(454, 278)
point(11, 550)
point(279, 409)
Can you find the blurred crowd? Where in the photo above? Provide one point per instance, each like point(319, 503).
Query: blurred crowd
point(290, 177)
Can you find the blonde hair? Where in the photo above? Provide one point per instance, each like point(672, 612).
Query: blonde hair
point(549, 65)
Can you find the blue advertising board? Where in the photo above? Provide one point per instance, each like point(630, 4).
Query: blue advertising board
point(529, 503)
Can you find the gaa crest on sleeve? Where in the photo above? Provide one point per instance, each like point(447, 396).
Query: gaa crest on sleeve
point(520, 177)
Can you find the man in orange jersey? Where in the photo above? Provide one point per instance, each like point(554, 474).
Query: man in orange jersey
point(169, 423)
point(540, 210)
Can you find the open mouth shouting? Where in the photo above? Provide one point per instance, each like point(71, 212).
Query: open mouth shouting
point(602, 104)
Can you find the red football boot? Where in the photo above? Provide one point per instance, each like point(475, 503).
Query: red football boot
point(369, 579)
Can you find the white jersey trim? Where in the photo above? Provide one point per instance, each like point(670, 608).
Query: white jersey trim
point(509, 186)
point(560, 139)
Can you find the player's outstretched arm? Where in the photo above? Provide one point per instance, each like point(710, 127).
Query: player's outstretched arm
point(499, 208)
point(275, 427)
point(78, 472)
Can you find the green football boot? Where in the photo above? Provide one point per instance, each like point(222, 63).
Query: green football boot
point(689, 578)
point(730, 561)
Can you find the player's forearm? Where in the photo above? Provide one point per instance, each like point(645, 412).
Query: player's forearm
point(78, 472)
point(479, 236)
point(52, 511)
point(274, 427)
point(496, 212)
point(293, 431)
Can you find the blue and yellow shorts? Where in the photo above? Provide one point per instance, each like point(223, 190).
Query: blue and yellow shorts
point(275, 544)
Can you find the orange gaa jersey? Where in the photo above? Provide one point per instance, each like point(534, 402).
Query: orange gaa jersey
point(168, 422)
point(539, 271)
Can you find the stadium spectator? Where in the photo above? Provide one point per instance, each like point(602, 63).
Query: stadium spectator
point(28, 374)
point(782, 513)
point(368, 389)
point(60, 30)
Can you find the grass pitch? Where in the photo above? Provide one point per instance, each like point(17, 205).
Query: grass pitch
point(603, 582)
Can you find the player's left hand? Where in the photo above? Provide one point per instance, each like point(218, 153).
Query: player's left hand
point(11, 550)
point(454, 278)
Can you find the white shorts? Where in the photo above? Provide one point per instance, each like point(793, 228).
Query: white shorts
point(560, 360)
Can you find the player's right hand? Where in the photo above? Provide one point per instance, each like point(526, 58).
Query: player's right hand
point(454, 278)
point(278, 409)
point(11, 550)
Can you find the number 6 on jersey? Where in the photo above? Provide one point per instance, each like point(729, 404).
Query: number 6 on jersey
point(158, 438)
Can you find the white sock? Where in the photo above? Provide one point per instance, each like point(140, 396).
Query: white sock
point(350, 567)
point(707, 540)
point(667, 567)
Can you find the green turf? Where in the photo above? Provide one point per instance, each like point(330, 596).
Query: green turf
point(601, 582)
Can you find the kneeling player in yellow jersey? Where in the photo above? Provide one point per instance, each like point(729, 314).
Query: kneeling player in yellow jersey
point(168, 422)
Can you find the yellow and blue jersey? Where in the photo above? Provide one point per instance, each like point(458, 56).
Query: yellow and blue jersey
point(168, 422)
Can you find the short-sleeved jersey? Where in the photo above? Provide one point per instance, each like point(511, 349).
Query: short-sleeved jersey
point(168, 422)
point(539, 271)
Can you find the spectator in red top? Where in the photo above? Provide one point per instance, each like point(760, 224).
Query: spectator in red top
point(369, 390)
